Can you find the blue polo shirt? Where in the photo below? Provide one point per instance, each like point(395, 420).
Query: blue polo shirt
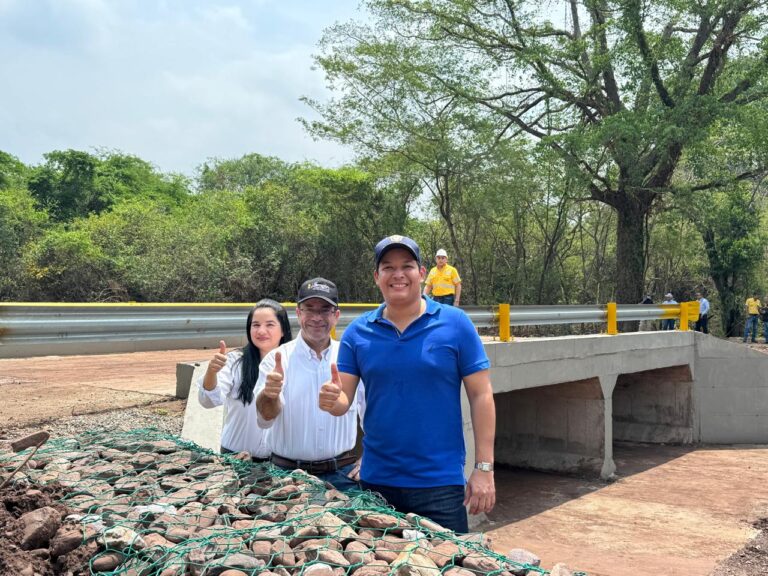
point(413, 428)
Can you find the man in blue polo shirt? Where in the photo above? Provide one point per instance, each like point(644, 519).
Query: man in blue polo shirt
point(413, 354)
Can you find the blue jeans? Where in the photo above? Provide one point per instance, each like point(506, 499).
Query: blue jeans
point(447, 299)
point(442, 504)
point(751, 324)
point(338, 478)
point(668, 324)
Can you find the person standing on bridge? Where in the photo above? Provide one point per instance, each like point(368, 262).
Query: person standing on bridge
point(231, 377)
point(413, 354)
point(443, 281)
point(668, 323)
point(303, 436)
point(702, 324)
point(752, 308)
point(647, 325)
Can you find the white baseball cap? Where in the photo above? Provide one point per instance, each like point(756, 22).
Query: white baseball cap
point(442, 252)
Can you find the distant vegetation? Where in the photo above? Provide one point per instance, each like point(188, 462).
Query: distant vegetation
point(619, 153)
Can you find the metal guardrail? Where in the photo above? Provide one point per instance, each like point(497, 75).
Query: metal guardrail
point(38, 329)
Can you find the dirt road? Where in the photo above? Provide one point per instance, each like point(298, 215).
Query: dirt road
point(674, 510)
point(52, 387)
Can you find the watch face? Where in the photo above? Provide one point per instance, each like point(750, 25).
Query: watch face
point(484, 466)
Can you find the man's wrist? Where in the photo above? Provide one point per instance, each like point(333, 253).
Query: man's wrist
point(484, 466)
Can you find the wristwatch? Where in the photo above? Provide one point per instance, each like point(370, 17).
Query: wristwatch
point(484, 466)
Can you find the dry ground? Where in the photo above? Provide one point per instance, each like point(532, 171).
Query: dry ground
point(673, 510)
point(53, 387)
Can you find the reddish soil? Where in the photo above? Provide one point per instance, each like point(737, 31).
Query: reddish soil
point(674, 510)
point(53, 387)
point(14, 502)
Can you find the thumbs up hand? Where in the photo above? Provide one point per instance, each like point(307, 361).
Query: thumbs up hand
point(274, 383)
point(330, 391)
point(219, 359)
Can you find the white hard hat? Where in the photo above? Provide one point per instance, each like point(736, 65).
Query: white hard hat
point(442, 252)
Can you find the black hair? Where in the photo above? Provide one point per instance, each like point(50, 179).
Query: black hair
point(251, 357)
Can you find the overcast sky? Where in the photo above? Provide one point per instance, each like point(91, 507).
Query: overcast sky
point(174, 82)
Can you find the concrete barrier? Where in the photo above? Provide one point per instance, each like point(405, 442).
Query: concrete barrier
point(202, 425)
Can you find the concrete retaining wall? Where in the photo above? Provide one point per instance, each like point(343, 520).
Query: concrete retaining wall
point(730, 393)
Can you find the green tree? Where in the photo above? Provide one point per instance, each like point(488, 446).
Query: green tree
point(730, 227)
point(618, 89)
point(447, 146)
point(20, 223)
point(13, 172)
point(72, 183)
point(66, 265)
point(238, 174)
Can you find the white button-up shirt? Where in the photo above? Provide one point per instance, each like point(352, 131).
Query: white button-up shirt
point(301, 431)
point(241, 431)
point(703, 306)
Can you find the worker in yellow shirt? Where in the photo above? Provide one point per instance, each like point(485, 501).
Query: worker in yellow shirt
point(752, 306)
point(443, 281)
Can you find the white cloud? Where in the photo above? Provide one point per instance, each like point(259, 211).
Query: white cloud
point(174, 82)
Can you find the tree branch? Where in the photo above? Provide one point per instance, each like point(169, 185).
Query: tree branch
point(648, 59)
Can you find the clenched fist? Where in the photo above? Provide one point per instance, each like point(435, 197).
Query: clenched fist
point(330, 391)
point(219, 359)
point(274, 384)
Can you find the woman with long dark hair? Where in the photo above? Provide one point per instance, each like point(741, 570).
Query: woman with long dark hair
point(231, 377)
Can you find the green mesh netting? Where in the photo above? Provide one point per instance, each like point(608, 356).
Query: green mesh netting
point(148, 503)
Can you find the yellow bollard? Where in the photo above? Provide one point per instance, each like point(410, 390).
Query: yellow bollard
point(613, 325)
point(693, 313)
point(683, 315)
point(504, 332)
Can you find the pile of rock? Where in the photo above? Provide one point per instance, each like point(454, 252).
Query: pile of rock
point(141, 506)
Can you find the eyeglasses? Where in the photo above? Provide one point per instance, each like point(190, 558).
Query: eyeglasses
point(317, 312)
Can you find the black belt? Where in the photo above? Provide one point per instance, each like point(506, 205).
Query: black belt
point(253, 458)
point(316, 467)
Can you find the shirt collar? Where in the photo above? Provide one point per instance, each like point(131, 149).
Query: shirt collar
point(378, 314)
point(308, 352)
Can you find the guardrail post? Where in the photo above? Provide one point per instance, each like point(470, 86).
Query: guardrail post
point(333, 333)
point(613, 325)
point(683, 315)
point(504, 332)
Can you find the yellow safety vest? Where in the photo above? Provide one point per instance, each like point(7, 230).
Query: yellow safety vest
point(443, 282)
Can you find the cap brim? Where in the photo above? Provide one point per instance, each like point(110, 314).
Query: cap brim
point(320, 297)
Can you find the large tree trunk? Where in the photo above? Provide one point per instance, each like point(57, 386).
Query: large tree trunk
point(630, 249)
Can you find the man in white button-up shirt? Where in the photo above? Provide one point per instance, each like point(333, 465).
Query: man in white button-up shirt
point(290, 377)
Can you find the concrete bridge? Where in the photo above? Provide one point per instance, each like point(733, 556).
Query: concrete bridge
point(562, 402)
